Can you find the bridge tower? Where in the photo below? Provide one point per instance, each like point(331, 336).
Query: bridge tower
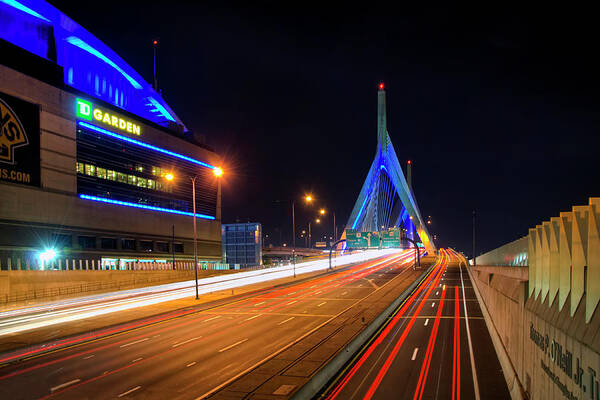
point(386, 200)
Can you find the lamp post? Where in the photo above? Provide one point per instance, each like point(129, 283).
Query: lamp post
point(218, 172)
point(307, 198)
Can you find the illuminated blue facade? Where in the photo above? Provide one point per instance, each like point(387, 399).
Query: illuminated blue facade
point(88, 64)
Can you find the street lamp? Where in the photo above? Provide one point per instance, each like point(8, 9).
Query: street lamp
point(307, 198)
point(218, 172)
point(318, 221)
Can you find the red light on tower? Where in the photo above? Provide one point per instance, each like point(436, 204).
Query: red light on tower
point(381, 86)
point(409, 162)
point(155, 42)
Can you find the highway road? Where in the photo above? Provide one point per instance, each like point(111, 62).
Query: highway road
point(435, 347)
point(57, 312)
point(187, 356)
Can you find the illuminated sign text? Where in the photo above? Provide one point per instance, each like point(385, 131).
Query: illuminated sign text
point(87, 110)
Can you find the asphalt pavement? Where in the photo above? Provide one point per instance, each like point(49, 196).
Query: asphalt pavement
point(187, 355)
point(435, 347)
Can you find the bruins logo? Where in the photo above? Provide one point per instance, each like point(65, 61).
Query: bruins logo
point(12, 134)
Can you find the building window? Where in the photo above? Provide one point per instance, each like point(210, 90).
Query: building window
point(146, 245)
point(178, 247)
point(142, 182)
point(128, 244)
point(121, 177)
point(62, 241)
point(80, 168)
point(87, 242)
point(111, 175)
point(101, 173)
point(90, 169)
point(162, 247)
point(108, 243)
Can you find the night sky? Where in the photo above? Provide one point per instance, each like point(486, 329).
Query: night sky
point(497, 108)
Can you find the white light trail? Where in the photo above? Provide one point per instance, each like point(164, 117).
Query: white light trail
point(24, 319)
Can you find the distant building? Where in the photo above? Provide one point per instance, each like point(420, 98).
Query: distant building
point(242, 243)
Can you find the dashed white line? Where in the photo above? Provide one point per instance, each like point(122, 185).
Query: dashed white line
point(210, 319)
point(186, 341)
point(63, 385)
point(433, 304)
point(436, 293)
point(88, 357)
point(129, 391)
point(292, 302)
point(256, 316)
point(414, 356)
point(318, 292)
point(319, 305)
point(344, 293)
point(137, 359)
point(286, 320)
point(191, 364)
point(258, 304)
point(426, 322)
point(132, 343)
point(232, 345)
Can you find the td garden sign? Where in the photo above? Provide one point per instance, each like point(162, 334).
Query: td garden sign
point(87, 110)
point(19, 141)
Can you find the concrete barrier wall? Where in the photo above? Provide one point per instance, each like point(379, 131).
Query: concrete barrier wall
point(18, 286)
point(511, 254)
point(554, 355)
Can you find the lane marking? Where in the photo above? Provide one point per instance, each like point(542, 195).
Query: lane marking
point(433, 304)
point(436, 293)
point(256, 316)
point(286, 320)
point(473, 367)
point(414, 356)
point(292, 302)
point(319, 305)
point(132, 343)
point(63, 385)
point(138, 359)
point(210, 319)
point(258, 304)
point(426, 322)
point(191, 364)
point(88, 357)
point(318, 292)
point(232, 345)
point(344, 293)
point(186, 341)
point(129, 391)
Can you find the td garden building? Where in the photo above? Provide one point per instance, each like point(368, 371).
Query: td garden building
point(94, 165)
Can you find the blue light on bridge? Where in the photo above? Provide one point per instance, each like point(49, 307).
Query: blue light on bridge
point(142, 144)
point(143, 206)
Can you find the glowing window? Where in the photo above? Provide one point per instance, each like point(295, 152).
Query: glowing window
point(101, 173)
point(90, 170)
